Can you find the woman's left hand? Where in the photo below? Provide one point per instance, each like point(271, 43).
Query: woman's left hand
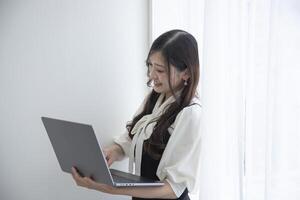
point(90, 184)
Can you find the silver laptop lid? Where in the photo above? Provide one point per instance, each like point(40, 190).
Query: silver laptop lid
point(75, 144)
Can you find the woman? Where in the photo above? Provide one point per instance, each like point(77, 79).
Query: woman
point(162, 141)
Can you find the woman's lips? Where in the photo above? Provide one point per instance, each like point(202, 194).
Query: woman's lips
point(156, 83)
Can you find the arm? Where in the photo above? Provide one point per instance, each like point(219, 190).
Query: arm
point(164, 191)
point(114, 153)
point(180, 164)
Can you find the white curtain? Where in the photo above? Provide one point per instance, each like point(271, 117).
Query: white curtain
point(250, 90)
point(222, 85)
point(273, 101)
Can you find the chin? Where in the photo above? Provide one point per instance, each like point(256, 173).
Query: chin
point(157, 90)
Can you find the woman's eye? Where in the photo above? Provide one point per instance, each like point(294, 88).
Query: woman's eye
point(160, 71)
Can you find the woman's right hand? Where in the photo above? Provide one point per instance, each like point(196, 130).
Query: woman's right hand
point(113, 153)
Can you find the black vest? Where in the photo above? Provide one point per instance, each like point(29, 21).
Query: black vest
point(148, 170)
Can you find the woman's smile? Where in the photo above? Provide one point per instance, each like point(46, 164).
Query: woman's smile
point(156, 83)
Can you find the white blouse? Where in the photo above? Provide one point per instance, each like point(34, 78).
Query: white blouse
point(179, 164)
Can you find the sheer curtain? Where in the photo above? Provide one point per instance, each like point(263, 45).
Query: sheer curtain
point(250, 90)
point(220, 36)
point(273, 101)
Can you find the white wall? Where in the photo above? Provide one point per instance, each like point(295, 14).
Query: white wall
point(77, 60)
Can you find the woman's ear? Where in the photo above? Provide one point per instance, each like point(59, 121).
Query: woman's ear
point(186, 75)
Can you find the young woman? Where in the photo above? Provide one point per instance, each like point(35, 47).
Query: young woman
point(162, 140)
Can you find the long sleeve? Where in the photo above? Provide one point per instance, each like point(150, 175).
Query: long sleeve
point(124, 140)
point(181, 159)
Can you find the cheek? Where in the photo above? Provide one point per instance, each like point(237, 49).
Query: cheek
point(175, 80)
point(163, 78)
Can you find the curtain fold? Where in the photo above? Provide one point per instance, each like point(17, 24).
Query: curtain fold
point(223, 99)
point(250, 91)
point(273, 93)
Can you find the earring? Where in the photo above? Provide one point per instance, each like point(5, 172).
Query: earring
point(185, 83)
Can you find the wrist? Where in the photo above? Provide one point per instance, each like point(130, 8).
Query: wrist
point(116, 191)
point(118, 148)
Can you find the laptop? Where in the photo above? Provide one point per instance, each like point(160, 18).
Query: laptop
point(75, 144)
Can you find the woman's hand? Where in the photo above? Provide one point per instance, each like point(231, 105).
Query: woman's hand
point(113, 153)
point(165, 191)
point(90, 184)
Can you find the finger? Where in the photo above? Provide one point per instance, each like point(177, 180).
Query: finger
point(82, 181)
point(74, 172)
point(105, 151)
point(89, 183)
point(77, 177)
point(109, 162)
point(107, 157)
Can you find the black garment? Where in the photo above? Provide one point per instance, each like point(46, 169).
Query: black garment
point(148, 170)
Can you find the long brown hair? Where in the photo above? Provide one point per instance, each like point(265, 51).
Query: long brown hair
point(180, 49)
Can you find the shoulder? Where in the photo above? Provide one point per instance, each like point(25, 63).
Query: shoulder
point(195, 104)
point(192, 110)
point(189, 115)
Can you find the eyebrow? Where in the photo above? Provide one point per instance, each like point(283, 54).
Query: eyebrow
point(159, 65)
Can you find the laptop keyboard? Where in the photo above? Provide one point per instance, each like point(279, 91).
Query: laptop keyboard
point(123, 177)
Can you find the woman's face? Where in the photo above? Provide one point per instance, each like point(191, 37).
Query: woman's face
point(158, 73)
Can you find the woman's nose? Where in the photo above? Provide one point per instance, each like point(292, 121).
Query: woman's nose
point(152, 74)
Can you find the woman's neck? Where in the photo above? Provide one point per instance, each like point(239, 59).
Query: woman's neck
point(169, 94)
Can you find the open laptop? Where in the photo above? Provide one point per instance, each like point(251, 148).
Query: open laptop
point(75, 144)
